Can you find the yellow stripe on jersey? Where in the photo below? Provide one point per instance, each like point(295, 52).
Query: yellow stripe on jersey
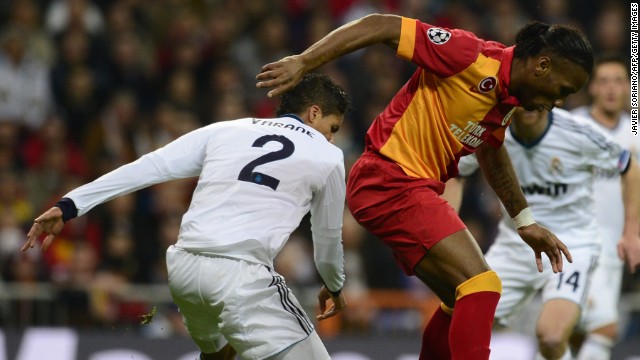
point(407, 39)
point(463, 103)
point(442, 116)
point(487, 281)
point(416, 141)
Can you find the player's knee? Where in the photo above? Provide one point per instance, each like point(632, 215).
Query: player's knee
point(486, 281)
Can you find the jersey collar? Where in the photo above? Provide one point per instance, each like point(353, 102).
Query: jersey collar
point(504, 75)
point(529, 145)
point(292, 116)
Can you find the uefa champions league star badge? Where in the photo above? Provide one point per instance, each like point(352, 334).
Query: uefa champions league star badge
point(438, 36)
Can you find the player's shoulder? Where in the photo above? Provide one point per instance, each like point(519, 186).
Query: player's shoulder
point(327, 152)
point(226, 124)
point(573, 122)
point(580, 128)
point(583, 111)
point(302, 135)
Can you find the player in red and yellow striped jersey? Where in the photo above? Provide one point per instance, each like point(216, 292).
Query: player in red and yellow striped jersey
point(457, 102)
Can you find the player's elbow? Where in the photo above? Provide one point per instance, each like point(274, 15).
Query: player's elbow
point(328, 267)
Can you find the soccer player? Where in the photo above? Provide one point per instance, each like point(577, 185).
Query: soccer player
point(609, 90)
point(556, 156)
point(257, 179)
point(458, 101)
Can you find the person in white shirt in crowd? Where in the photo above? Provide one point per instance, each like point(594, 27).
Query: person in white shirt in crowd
point(25, 97)
point(257, 179)
point(609, 90)
point(556, 157)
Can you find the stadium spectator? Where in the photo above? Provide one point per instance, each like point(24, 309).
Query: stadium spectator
point(25, 98)
point(26, 14)
point(49, 157)
point(128, 68)
point(412, 148)
point(267, 42)
point(79, 80)
point(110, 138)
point(237, 224)
point(62, 15)
point(609, 29)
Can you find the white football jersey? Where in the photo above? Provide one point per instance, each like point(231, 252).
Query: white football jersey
point(608, 195)
point(257, 180)
point(556, 174)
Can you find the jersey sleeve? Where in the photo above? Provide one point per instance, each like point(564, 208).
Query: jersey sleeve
point(181, 158)
point(442, 51)
point(468, 165)
point(327, 206)
point(497, 136)
point(603, 153)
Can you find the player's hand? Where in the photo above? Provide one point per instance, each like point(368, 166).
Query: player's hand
point(281, 75)
point(629, 251)
point(339, 303)
point(541, 240)
point(49, 223)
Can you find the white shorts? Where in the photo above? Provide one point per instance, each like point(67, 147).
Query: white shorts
point(516, 267)
point(604, 294)
point(224, 300)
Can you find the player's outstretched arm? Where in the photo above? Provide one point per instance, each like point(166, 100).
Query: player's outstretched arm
point(338, 300)
point(498, 170)
point(629, 244)
point(49, 223)
point(284, 74)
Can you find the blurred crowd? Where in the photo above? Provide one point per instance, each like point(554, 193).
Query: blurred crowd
point(86, 86)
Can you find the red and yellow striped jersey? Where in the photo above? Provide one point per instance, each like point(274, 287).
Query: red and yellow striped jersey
point(456, 100)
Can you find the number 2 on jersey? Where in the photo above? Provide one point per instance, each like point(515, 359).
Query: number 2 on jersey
point(247, 173)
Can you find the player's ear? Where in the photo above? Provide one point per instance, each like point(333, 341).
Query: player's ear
point(314, 113)
point(543, 65)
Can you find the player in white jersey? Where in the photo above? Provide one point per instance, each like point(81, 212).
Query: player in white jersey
point(609, 90)
point(554, 156)
point(257, 179)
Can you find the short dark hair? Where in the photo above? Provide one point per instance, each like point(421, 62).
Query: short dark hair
point(564, 41)
point(615, 58)
point(318, 89)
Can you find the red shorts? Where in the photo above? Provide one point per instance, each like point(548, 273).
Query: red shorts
point(407, 213)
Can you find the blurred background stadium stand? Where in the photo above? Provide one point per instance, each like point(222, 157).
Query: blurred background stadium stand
point(86, 86)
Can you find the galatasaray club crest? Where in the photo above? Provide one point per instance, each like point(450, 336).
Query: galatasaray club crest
point(487, 84)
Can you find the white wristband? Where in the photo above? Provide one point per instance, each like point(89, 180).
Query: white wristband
point(524, 218)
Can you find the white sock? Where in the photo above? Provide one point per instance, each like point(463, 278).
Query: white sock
point(595, 347)
point(565, 356)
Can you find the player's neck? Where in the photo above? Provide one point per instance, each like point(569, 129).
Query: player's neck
point(605, 118)
point(516, 77)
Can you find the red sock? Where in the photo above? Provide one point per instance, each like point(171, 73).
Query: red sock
point(435, 340)
point(470, 332)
